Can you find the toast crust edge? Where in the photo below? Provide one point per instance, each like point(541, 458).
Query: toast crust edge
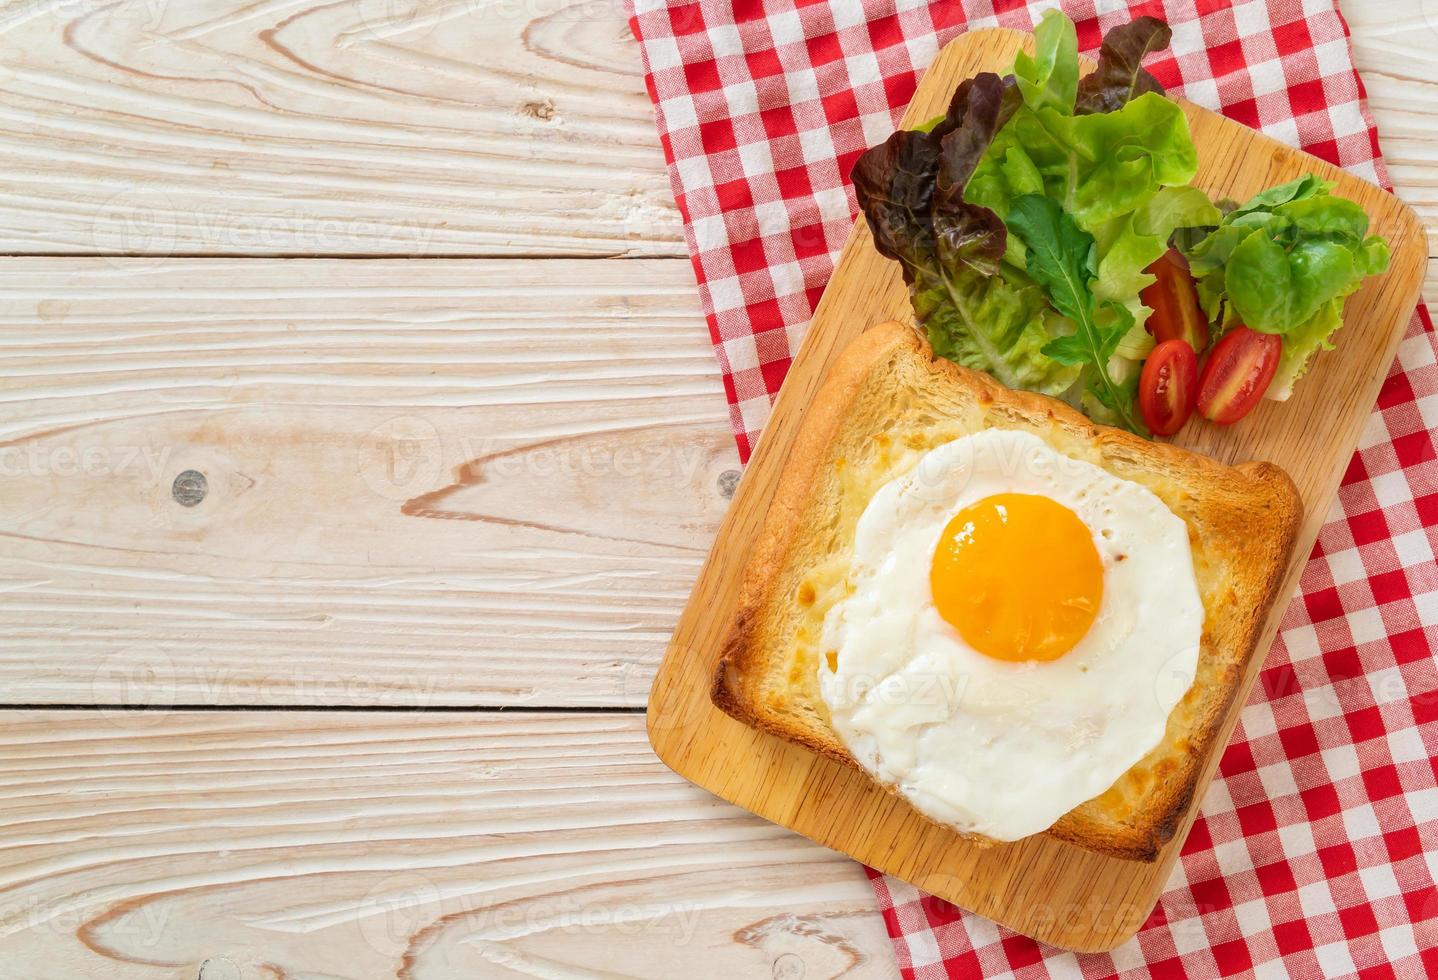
point(735, 682)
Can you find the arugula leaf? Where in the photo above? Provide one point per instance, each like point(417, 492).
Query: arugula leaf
point(1120, 77)
point(1061, 259)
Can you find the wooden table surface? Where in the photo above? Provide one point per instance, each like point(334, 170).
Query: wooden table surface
point(360, 441)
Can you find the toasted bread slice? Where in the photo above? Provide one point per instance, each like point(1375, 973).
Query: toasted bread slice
point(885, 402)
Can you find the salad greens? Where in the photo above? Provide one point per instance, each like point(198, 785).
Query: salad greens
point(1050, 78)
point(1283, 263)
point(977, 312)
point(1118, 158)
point(1060, 257)
point(1026, 217)
point(1119, 77)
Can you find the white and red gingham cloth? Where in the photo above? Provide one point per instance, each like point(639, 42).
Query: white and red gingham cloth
point(1316, 848)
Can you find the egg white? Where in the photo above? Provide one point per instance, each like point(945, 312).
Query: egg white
point(990, 747)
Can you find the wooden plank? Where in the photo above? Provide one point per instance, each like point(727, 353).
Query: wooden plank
point(417, 127)
point(412, 127)
point(1393, 45)
point(1039, 886)
point(153, 846)
point(453, 482)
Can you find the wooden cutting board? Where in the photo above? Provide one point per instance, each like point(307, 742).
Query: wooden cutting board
point(1041, 887)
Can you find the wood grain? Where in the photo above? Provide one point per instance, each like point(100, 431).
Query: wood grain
point(1039, 886)
point(140, 846)
point(306, 127)
point(486, 483)
point(1393, 46)
point(408, 127)
point(241, 846)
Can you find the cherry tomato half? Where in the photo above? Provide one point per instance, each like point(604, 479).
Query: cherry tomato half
point(1168, 386)
point(1174, 301)
point(1237, 374)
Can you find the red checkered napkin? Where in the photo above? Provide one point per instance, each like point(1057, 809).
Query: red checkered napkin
point(1314, 851)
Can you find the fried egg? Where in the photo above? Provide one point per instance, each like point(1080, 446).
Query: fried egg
point(1019, 625)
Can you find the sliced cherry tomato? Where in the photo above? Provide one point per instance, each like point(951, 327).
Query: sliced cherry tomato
point(1237, 374)
point(1168, 386)
point(1174, 301)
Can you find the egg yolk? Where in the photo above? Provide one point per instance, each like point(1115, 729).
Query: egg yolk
point(1018, 576)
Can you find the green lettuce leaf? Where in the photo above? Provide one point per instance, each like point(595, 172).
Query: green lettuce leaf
point(1118, 163)
point(1128, 245)
point(1277, 286)
point(1295, 190)
point(1211, 254)
point(1283, 263)
point(1050, 78)
point(1098, 166)
point(1299, 346)
point(1124, 178)
point(1026, 216)
point(998, 325)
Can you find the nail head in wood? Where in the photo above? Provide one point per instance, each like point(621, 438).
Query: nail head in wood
point(190, 488)
point(728, 480)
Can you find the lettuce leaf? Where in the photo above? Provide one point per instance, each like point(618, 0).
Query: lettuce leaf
point(1121, 172)
point(1123, 176)
point(1283, 263)
point(1299, 346)
point(1026, 216)
point(1024, 220)
point(1098, 166)
point(1124, 144)
point(1120, 77)
point(1277, 285)
point(911, 190)
point(1295, 190)
point(998, 325)
point(1050, 78)
point(1128, 245)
